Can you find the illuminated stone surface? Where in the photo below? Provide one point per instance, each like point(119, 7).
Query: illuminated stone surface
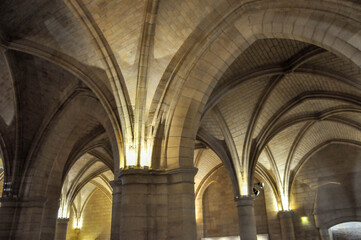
point(145, 119)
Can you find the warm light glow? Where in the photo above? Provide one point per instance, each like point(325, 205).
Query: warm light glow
point(275, 202)
point(78, 223)
point(131, 156)
point(305, 220)
point(244, 184)
point(244, 190)
point(63, 210)
point(284, 201)
point(145, 157)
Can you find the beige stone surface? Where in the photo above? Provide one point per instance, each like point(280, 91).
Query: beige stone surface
point(152, 89)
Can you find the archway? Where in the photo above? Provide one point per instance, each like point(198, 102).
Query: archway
point(345, 231)
point(86, 200)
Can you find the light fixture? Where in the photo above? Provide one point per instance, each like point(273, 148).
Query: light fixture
point(257, 188)
point(260, 185)
point(304, 220)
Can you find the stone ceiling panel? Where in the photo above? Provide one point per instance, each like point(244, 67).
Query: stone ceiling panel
point(237, 108)
point(281, 145)
point(210, 124)
point(121, 23)
point(262, 53)
point(207, 161)
point(313, 106)
point(50, 24)
point(295, 84)
point(321, 132)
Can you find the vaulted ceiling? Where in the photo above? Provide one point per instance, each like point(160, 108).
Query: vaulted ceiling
point(277, 102)
point(280, 101)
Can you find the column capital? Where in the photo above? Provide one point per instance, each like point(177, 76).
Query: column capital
point(244, 200)
point(62, 220)
point(146, 175)
point(285, 214)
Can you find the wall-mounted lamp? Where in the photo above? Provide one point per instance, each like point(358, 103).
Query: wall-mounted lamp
point(257, 188)
point(260, 185)
point(304, 220)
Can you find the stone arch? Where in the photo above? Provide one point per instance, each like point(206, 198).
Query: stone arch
point(317, 149)
point(333, 211)
point(92, 79)
point(197, 77)
point(69, 126)
point(341, 220)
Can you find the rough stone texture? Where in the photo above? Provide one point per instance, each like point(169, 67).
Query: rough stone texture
point(96, 218)
point(61, 228)
point(220, 217)
point(327, 186)
point(346, 231)
point(157, 205)
point(89, 87)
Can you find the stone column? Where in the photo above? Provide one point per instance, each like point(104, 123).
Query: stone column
point(116, 209)
point(247, 220)
point(7, 216)
point(286, 223)
point(325, 234)
point(143, 199)
point(22, 218)
point(181, 216)
point(61, 228)
point(157, 205)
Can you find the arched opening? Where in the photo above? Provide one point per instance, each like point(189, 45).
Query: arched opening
point(90, 214)
point(346, 231)
point(326, 189)
point(217, 216)
point(85, 208)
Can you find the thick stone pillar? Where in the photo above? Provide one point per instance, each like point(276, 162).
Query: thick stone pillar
point(286, 223)
point(116, 209)
point(325, 234)
point(181, 220)
point(61, 228)
point(156, 205)
point(22, 218)
point(247, 220)
point(7, 216)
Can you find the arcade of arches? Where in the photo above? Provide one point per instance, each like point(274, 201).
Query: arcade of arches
point(180, 119)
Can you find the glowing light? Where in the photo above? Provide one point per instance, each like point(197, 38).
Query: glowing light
point(284, 201)
point(244, 190)
point(78, 223)
point(131, 156)
point(304, 220)
point(276, 205)
point(145, 157)
point(63, 210)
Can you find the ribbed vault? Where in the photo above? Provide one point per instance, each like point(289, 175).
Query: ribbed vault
point(279, 100)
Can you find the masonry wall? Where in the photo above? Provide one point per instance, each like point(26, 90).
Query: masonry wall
point(96, 219)
point(220, 217)
point(328, 185)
